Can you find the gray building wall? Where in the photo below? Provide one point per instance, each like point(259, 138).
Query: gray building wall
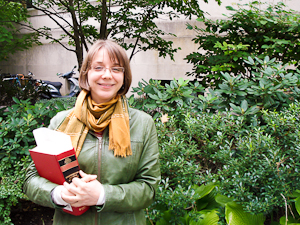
point(47, 60)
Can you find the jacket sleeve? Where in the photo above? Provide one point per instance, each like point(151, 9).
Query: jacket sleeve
point(139, 193)
point(38, 189)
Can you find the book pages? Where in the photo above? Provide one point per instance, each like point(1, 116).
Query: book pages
point(51, 141)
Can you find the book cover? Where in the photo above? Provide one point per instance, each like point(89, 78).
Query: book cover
point(54, 158)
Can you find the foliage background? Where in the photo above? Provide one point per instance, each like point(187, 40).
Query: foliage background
point(11, 40)
point(253, 29)
point(129, 23)
point(16, 125)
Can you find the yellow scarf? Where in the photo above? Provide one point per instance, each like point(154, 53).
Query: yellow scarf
point(88, 115)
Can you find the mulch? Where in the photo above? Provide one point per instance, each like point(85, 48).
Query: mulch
point(29, 213)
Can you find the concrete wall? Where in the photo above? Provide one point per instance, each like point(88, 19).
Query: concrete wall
point(49, 59)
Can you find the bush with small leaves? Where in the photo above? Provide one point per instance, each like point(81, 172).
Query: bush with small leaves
point(254, 164)
point(256, 28)
point(16, 125)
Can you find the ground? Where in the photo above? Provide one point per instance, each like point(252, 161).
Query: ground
point(28, 213)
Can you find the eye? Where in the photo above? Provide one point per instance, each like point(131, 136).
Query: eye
point(98, 68)
point(117, 69)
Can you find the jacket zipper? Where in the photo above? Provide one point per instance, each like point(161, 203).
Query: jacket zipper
point(99, 163)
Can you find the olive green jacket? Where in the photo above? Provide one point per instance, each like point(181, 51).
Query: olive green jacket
point(129, 183)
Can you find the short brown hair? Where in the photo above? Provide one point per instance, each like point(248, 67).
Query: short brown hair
point(116, 53)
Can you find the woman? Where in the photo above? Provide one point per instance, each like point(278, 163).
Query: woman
point(116, 147)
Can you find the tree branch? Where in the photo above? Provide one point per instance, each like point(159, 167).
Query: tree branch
point(46, 35)
point(138, 38)
point(80, 28)
point(49, 14)
point(115, 25)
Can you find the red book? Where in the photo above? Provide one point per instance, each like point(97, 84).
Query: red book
point(55, 159)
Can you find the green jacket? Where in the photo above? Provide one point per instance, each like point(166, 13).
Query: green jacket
point(129, 183)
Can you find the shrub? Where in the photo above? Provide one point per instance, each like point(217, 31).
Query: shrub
point(214, 164)
point(271, 87)
point(16, 125)
point(180, 168)
point(254, 29)
point(236, 150)
point(229, 166)
point(173, 99)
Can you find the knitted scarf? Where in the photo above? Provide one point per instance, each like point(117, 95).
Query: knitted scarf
point(88, 115)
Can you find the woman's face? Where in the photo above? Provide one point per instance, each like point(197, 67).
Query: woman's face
point(104, 83)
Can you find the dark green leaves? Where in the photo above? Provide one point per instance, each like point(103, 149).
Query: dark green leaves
point(16, 125)
point(11, 40)
point(248, 32)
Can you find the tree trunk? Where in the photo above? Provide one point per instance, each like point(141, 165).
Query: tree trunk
point(103, 25)
point(77, 35)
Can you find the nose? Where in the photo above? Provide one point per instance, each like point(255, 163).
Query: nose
point(107, 74)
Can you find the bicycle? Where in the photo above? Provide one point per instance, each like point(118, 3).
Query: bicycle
point(14, 78)
point(19, 86)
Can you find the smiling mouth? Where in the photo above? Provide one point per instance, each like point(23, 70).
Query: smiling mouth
point(107, 85)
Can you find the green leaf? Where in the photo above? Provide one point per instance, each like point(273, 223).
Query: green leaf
point(241, 93)
point(235, 215)
point(289, 221)
point(230, 8)
point(200, 19)
point(209, 217)
point(176, 99)
point(189, 26)
point(16, 100)
point(263, 22)
point(250, 60)
point(252, 110)
point(140, 84)
point(227, 76)
point(235, 108)
point(222, 199)
point(153, 96)
point(180, 102)
point(60, 106)
point(204, 190)
point(131, 100)
point(297, 204)
point(181, 81)
point(165, 218)
point(151, 106)
point(202, 98)
point(244, 105)
point(187, 93)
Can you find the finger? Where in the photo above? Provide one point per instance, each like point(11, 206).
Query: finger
point(77, 204)
point(73, 186)
point(87, 177)
point(90, 193)
point(66, 192)
point(77, 183)
point(69, 199)
point(82, 174)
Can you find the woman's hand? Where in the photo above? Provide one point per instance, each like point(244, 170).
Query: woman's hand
point(82, 192)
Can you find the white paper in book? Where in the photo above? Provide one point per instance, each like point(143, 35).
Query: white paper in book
point(51, 141)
